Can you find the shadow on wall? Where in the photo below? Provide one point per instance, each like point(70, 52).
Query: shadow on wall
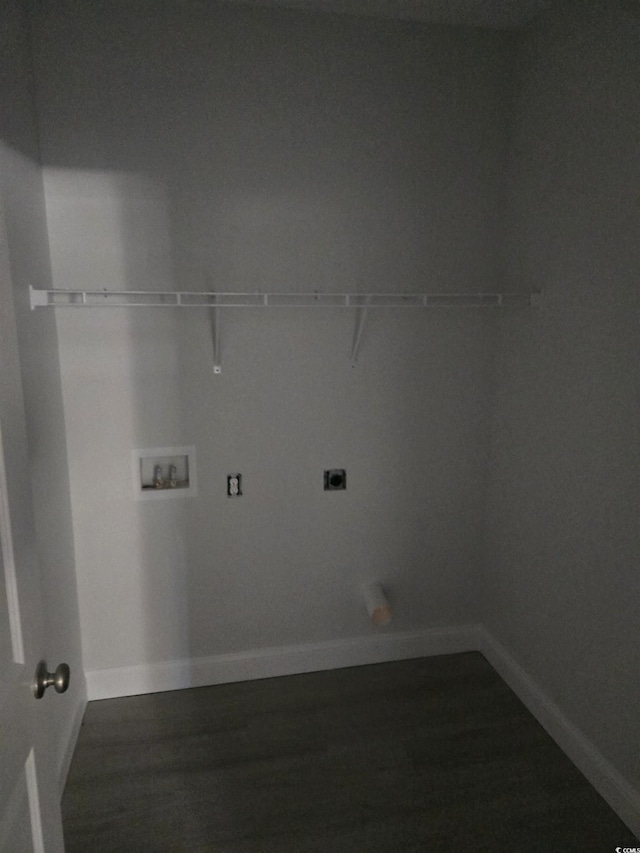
point(121, 387)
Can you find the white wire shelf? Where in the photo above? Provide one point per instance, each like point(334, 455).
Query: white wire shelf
point(362, 302)
point(184, 299)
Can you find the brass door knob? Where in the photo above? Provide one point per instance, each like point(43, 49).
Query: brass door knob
point(58, 679)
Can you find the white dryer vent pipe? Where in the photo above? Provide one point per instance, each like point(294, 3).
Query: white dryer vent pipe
point(377, 604)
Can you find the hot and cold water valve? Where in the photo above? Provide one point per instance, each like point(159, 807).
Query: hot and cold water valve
point(164, 472)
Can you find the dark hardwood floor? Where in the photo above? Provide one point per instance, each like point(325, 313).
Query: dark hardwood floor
point(427, 755)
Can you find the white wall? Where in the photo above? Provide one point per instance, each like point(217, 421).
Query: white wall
point(21, 188)
point(562, 585)
point(198, 146)
point(195, 146)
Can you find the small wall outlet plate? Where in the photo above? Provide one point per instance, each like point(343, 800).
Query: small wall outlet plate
point(234, 485)
point(335, 480)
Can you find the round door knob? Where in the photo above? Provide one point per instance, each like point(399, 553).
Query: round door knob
point(58, 679)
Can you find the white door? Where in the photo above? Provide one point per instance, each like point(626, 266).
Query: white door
point(29, 797)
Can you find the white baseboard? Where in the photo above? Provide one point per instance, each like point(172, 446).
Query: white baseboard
point(286, 660)
point(623, 798)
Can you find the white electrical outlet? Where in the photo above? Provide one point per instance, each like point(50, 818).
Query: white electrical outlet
point(234, 485)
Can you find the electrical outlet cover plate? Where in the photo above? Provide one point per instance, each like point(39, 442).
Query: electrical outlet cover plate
point(234, 485)
point(335, 480)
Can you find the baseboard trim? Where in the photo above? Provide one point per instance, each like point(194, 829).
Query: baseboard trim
point(276, 661)
point(623, 797)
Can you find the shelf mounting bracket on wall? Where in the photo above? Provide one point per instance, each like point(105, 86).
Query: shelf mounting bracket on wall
point(361, 318)
point(215, 339)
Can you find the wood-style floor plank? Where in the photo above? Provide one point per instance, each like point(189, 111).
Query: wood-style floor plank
point(428, 755)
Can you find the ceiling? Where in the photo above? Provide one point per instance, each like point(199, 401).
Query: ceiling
point(496, 14)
